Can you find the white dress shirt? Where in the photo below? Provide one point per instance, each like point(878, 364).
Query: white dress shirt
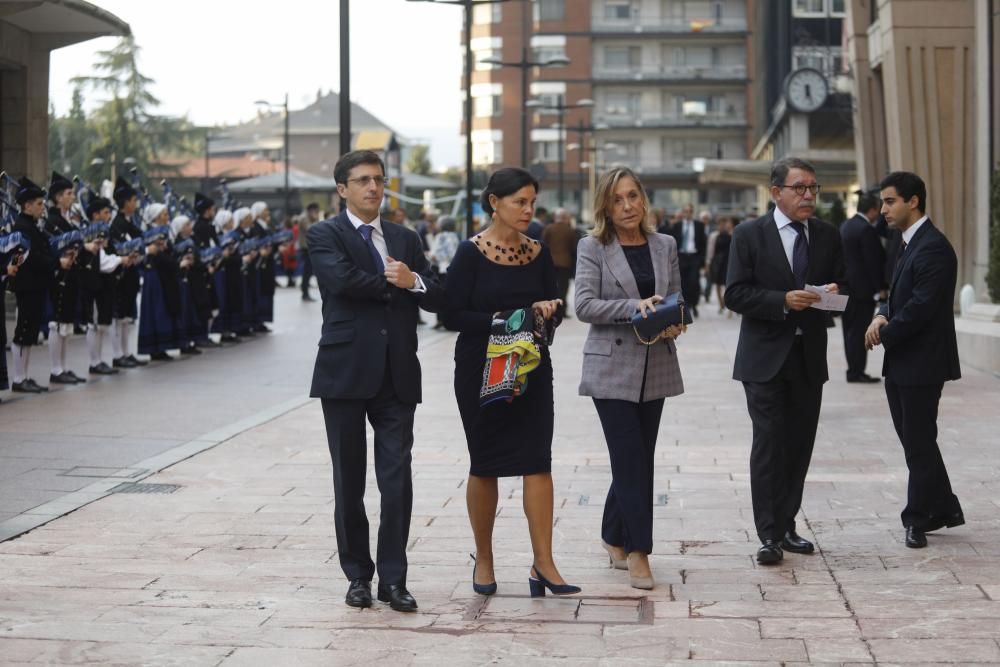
point(687, 236)
point(378, 238)
point(788, 236)
point(909, 233)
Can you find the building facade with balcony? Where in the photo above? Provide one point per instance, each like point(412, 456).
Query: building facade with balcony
point(665, 82)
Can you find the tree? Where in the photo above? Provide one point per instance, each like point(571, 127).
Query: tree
point(993, 265)
point(419, 162)
point(125, 124)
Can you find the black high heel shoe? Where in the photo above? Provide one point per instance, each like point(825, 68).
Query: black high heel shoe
point(537, 585)
point(482, 589)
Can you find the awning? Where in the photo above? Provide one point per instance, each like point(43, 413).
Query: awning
point(835, 175)
point(65, 21)
point(372, 140)
point(275, 182)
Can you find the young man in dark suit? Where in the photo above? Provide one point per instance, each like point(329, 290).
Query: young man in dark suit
point(864, 261)
point(917, 329)
point(367, 367)
point(781, 355)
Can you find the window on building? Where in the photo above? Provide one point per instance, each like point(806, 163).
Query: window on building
point(484, 14)
point(550, 10)
point(492, 54)
point(837, 8)
point(809, 8)
point(621, 57)
point(829, 60)
point(486, 106)
point(546, 151)
point(621, 104)
point(620, 10)
point(547, 47)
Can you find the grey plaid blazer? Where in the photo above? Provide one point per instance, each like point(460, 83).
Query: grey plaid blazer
point(606, 298)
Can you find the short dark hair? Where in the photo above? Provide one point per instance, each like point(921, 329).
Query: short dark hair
point(780, 169)
point(313, 206)
point(908, 185)
point(349, 161)
point(867, 200)
point(505, 182)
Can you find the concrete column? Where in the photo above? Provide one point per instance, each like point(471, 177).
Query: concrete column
point(985, 162)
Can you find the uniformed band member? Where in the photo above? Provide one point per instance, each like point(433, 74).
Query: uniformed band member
point(31, 284)
point(127, 288)
point(160, 303)
point(62, 196)
point(98, 282)
point(64, 295)
point(12, 252)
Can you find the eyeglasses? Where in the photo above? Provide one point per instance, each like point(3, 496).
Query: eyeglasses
point(365, 181)
point(800, 189)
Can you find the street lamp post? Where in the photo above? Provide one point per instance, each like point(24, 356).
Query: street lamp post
point(560, 108)
point(285, 148)
point(467, 5)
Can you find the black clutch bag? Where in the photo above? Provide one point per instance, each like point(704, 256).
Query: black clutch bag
point(669, 312)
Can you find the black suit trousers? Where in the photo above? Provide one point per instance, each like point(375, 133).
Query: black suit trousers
point(856, 318)
point(392, 421)
point(630, 430)
point(690, 266)
point(784, 412)
point(929, 498)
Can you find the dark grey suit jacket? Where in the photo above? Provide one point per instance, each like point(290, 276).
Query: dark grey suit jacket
point(757, 280)
point(366, 321)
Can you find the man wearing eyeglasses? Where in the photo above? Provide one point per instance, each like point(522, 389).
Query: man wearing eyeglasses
point(372, 276)
point(781, 355)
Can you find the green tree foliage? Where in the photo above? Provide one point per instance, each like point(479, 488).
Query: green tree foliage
point(993, 270)
point(419, 161)
point(123, 125)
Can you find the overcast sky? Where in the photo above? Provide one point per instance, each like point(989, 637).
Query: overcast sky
point(211, 59)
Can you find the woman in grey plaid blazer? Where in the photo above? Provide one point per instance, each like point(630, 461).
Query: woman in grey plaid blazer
point(625, 267)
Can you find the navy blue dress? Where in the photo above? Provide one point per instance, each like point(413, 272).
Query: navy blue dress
point(158, 317)
point(504, 439)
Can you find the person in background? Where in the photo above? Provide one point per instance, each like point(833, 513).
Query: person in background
point(691, 240)
point(311, 217)
point(864, 259)
point(718, 266)
point(708, 220)
point(561, 239)
point(127, 287)
point(443, 251)
point(33, 280)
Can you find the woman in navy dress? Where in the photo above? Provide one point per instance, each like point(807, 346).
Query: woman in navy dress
point(499, 270)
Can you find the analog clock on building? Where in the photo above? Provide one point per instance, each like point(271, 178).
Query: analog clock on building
point(806, 89)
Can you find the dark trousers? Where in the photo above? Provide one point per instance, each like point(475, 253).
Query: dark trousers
point(563, 276)
point(784, 412)
point(307, 270)
point(929, 498)
point(856, 318)
point(630, 431)
point(690, 266)
point(392, 421)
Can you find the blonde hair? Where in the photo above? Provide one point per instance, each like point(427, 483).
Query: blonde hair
point(604, 199)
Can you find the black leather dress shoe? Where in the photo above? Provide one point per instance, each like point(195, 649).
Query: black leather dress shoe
point(864, 378)
point(397, 596)
point(161, 356)
point(62, 378)
point(769, 553)
point(915, 539)
point(122, 362)
point(359, 594)
point(25, 387)
point(796, 543)
point(136, 362)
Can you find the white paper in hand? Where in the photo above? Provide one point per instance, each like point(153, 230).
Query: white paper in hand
point(827, 300)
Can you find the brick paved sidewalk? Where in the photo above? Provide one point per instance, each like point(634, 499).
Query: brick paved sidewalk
point(238, 567)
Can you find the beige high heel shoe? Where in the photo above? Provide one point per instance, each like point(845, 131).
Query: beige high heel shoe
point(616, 563)
point(639, 574)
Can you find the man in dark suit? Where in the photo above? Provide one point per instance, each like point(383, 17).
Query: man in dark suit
point(781, 355)
point(864, 260)
point(692, 243)
point(917, 329)
point(367, 366)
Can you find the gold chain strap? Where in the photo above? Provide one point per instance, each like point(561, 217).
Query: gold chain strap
point(659, 336)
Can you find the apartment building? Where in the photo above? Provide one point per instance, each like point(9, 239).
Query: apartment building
point(658, 85)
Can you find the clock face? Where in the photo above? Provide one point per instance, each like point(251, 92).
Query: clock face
point(806, 89)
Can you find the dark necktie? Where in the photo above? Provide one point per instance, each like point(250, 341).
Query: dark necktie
point(899, 259)
point(366, 232)
point(800, 255)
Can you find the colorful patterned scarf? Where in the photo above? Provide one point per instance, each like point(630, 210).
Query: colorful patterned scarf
point(511, 353)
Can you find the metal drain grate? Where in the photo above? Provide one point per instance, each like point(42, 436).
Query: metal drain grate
point(661, 499)
point(129, 487)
